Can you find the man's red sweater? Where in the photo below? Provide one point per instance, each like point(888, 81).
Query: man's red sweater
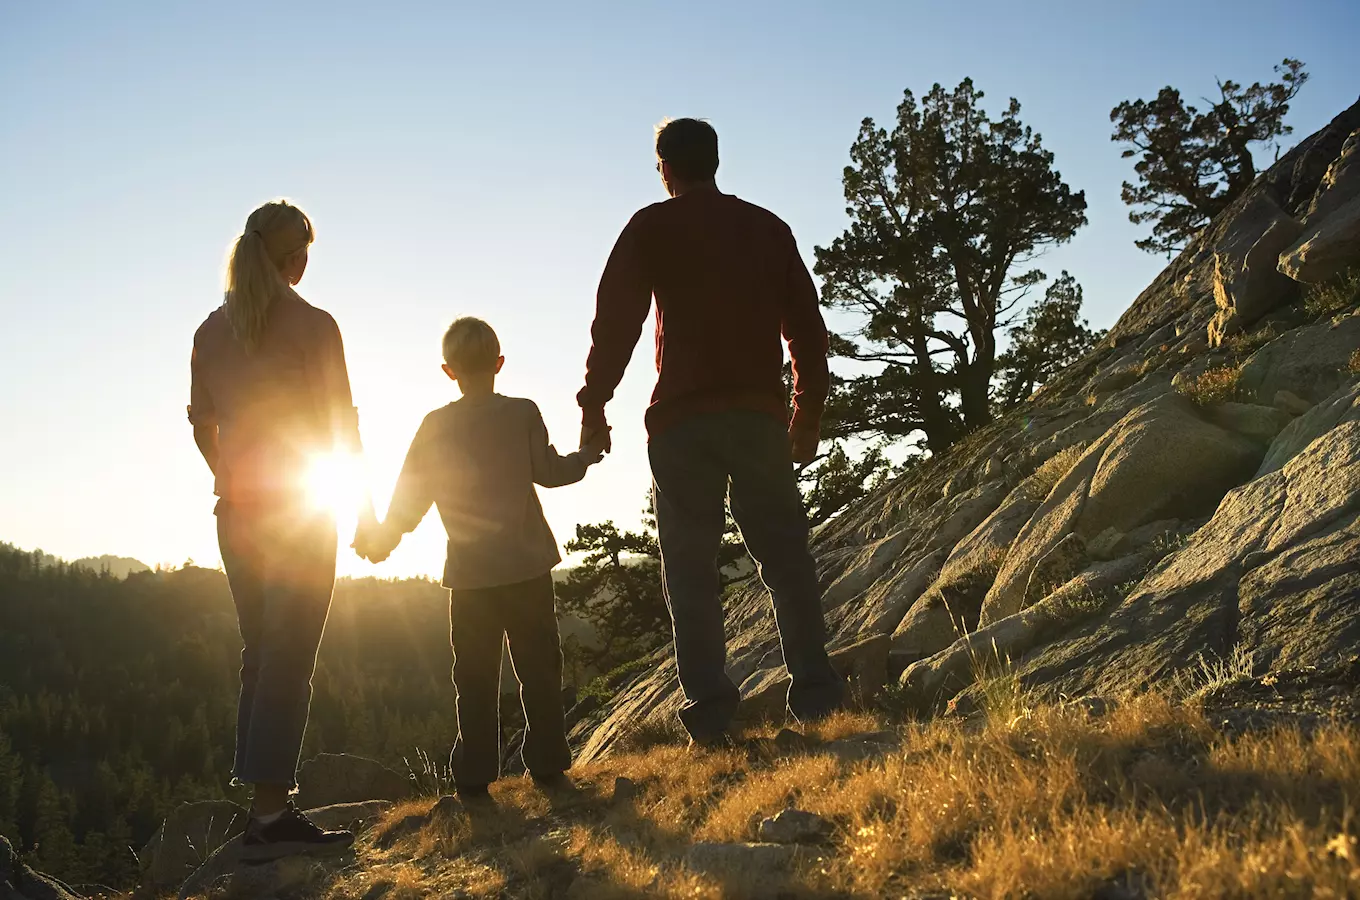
point(729, 283)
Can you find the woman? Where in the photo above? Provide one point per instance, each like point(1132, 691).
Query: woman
point(270, 393)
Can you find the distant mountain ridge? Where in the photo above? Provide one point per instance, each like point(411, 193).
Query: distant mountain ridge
point(117, 566)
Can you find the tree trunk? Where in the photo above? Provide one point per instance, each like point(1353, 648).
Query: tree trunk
point(936, 421)
point(974, 387)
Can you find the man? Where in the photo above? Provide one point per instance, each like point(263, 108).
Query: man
point(728, 283)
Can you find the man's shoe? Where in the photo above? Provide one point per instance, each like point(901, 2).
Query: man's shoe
point(722, 740)
point(556, 783)
point(291, 834)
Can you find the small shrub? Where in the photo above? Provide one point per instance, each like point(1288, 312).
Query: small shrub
point(1214, 386)
point(1080, 602)
point(1330, 298)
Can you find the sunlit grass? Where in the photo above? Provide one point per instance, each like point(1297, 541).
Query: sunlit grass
point(1150, 799)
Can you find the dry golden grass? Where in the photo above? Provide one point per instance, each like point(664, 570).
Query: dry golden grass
point(1040, 802)
point(1354, 364)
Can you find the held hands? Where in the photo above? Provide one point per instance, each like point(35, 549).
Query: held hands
point(374, 542)
point(803, 444)
point(595, 443)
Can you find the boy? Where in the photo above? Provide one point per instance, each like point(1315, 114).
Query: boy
point(478, 460)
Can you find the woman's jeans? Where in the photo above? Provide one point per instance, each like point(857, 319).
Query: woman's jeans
point(281, 569)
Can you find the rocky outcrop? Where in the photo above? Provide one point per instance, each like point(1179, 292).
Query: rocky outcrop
point(1247, 281)
point(1309, 362)
point(1332, 229)
point(1163, 460)
point(185, 839)
point(1271, 576)
point(1124, 527)
point(334, 778)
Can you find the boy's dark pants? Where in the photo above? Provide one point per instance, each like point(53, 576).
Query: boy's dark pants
point(281, 568)
point(478, 620)
point(697, 464)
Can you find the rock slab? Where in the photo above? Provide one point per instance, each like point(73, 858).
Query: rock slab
point(333, 778)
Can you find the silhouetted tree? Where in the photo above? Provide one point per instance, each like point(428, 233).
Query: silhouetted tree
point(616, 587)
point(948, 210)
point(1051, 336)
point(1192, 164)
point(838, 480)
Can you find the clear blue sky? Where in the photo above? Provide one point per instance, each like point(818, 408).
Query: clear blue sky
point(480, 158)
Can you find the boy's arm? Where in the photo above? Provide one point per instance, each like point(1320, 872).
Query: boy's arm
point(551, 469)
point(414, 493)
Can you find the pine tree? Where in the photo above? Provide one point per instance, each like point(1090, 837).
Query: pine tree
point(949, 210)
point(11, 779)
point(1191, 164)
point(56, 845)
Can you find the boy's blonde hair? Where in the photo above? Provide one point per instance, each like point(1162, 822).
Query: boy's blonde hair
point(273, 232)
point(471, 347)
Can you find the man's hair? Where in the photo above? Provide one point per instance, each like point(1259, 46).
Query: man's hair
point(471, 347)
point(689, 146)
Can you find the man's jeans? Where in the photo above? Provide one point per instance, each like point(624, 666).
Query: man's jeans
point(696, 465)
point(281, 569)
point(480, 621)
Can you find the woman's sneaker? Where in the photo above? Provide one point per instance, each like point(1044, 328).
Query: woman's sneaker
point(291, 834)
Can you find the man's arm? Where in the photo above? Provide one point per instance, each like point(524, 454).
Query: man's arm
point(805, 331)
point(622, 303)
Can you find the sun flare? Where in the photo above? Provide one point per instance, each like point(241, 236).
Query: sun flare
point(335, 485)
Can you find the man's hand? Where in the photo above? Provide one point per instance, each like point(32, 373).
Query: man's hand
point(803, 444)
point(594, 446)
point(595, 437)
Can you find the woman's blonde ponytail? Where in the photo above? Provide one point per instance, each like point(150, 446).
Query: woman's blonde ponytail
point(273, 233)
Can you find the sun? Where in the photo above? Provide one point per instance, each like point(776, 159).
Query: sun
point(335, 485)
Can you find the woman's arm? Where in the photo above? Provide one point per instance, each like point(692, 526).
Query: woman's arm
point(202, 414)
point(205, 436)
point(341, 418)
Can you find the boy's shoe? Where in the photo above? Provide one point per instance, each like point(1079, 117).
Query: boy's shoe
point(291, 834)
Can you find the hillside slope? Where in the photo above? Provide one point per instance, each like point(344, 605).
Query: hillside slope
point(1187, 496)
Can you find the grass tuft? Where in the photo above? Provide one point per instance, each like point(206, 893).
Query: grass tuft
point(1329, 298)
point(1039, 484)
